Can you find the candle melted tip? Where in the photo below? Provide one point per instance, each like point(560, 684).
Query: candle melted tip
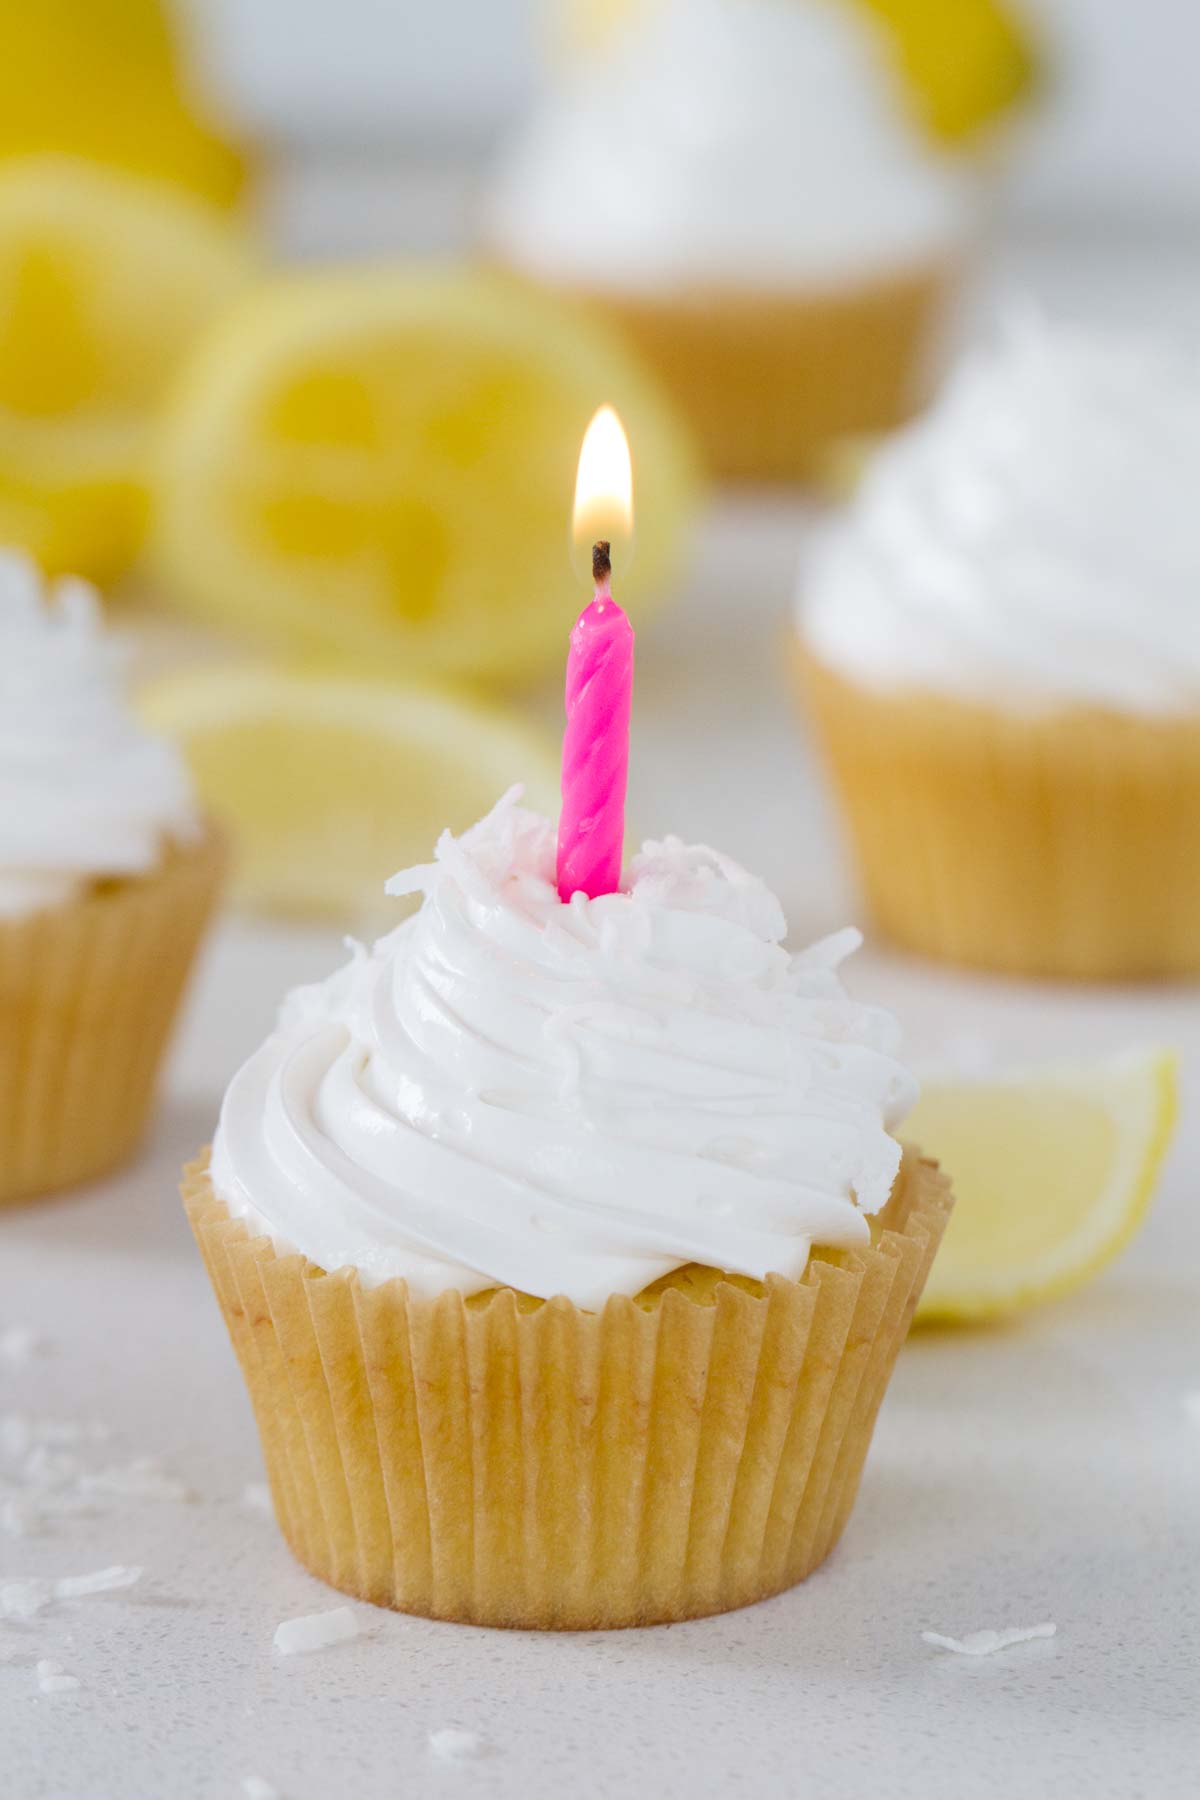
point(601, 562)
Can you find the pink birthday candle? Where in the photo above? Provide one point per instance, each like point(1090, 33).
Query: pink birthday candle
point(595, 762)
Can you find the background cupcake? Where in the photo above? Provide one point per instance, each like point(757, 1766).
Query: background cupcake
point(107, 878)
point(1001, 651)
point(742, 187)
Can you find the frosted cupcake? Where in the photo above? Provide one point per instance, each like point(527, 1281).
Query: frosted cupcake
point(740, 185)
point(1001, 653)
point(107, 878)
point(567, 1249)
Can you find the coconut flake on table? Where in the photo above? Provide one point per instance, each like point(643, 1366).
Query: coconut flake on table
point(983, 1643)
point(24, 1599)
point(452, 1744)
point(255, 1788)
point(1191, 1405)
point(19, 1343)
point(20, 1434)
point(256, 1497)
point(51, 1679)
point(141, 1479)
point(315, 1631)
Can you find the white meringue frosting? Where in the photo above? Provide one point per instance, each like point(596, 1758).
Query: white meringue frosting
point(732, 143)
point(85, 792)
point(1034, 540)
point(568, 1099)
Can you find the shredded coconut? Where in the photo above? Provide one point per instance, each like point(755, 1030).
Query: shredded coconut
point(1191, 1406)
point(983, 1643)
point(19, 1434)
point(51, 1680)
point(255, 1788)
point(454, 1745)
point(142, 1479)
point(22, 1599)
point(256, 1497)
point(315, 1631)
point(19, 1343)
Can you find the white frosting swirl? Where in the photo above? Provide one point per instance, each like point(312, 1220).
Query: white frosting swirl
point(731, 142)
point(568, 1099)
point(1034, 540)
point(85, 792)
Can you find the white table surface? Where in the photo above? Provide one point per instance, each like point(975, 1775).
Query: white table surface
point(1045, 1470)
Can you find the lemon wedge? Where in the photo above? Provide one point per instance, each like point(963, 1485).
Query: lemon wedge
point(377, 465)
point(1052, 1170)
point(330, 784)
point(104, 279)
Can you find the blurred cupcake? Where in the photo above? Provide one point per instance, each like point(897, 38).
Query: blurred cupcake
point(107, 879)
point(1001, 655)
point(738, 185)
point(566, 1249)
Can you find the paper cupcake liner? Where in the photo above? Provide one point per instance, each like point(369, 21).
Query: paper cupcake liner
point(506, 1462)
point(1064, 845)
point(88, 993)
point(771, 384)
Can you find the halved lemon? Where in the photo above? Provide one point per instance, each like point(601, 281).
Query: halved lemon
point(1053, 1170)
point(109, 80)
point(104, 279)
point(331, 784)
point(378, 466)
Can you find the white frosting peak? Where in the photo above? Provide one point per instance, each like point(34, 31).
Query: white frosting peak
point(568, 1099)
point(1034, 539)
point(731, 142)
point(85, 792)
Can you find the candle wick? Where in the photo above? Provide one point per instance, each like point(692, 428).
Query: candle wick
point(602, 564)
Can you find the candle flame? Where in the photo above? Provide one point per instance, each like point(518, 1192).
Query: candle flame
point(604, 491)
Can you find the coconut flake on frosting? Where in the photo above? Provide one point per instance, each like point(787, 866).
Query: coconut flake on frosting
point(1034, 540)
point(733, 142)
point(85, 792)
point(569, 1099)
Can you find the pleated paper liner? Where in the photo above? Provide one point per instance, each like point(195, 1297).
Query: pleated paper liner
point(88, 993)
point(1064, 844)
point(508, 1462)
point(772, 383)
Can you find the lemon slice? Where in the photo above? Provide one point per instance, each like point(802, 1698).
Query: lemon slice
point(329, 784)
point(379, 465)
point(108, 82)
point(1052, 1172)
point(103, 282)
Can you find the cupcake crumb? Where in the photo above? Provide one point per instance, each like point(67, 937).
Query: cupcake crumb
point(983, 1643)
point(315, 1631)
point(454, 1745)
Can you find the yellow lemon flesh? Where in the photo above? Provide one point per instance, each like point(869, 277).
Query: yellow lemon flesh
point(103, 282)
point(104, 80)
point(329, 785)
point(1052, 1171)
point(379, 466)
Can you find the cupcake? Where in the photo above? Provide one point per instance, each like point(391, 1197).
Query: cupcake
point(107, 879)
point(1000, 652)
point(740, 185)
point(566, 1249)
